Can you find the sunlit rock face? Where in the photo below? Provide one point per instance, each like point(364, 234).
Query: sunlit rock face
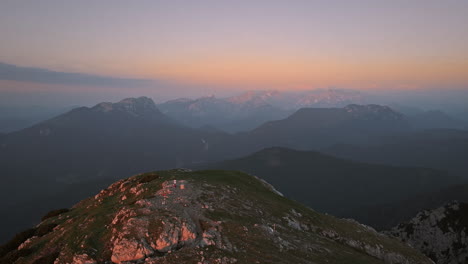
point(182, 216)
point(82, 259)
point(139, 233)
point(441, 234)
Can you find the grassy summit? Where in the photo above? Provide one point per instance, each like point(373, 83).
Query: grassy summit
point(208, 217)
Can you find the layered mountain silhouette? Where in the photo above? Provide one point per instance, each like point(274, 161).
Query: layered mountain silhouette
point(334, 185)
point(87, 147)
point(94, 146)
point(311, 128)
point(436, 119)
point(182, 216)
point(316, 128)
point(387, 215)
point(444, 149)
point(109, 140)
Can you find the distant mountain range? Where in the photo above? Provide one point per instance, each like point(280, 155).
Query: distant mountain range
point(225, 114)
point(92, 146)
point(113, 139)
point(88, 145)
point(108, 140)
point(246, 111)
point(250, 109)
point(313, 128)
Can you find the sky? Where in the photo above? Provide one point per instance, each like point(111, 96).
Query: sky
point(176, 48)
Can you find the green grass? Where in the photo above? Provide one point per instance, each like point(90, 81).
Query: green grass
point(228, 192)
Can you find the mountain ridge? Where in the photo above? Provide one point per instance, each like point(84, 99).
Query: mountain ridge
point(331, 184)
point(183, 216)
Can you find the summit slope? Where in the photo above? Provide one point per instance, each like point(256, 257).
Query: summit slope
point(206, 217)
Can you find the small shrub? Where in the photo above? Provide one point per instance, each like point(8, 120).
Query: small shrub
point(8, 249)
point(12, 256)
point(43, 230)
point(205, 225)
point(17, 240)
point(148, 178)
point(48, 259)
point(55, 213)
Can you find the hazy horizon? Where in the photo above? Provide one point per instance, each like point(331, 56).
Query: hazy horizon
point(165, 49)
point(81, 53)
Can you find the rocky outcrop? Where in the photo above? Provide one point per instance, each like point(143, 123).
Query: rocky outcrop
point(82, 259)
point(129, 250)
point(376, 250)
point(441, 234)
point(176, 227)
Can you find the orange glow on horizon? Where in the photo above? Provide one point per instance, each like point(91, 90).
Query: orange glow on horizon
point(282, 73)
point(308, 72)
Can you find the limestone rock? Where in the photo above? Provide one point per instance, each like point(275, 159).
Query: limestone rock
point(441, 233)
point(83, 259)
point(129, 250)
